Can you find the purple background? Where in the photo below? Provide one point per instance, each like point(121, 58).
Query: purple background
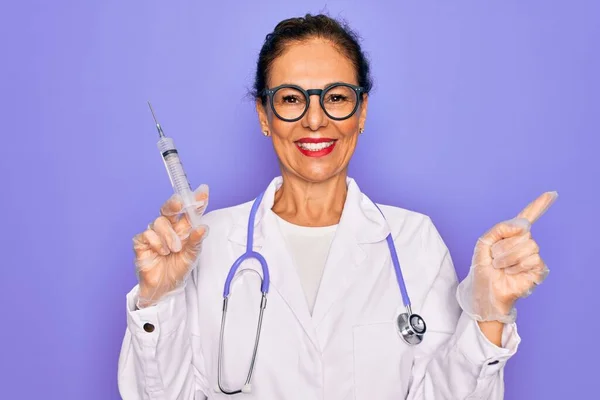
point(478, 108)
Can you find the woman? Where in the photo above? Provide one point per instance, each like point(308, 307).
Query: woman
point(329, 331)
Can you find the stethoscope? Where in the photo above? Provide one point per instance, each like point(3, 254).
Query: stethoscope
point(411, 327)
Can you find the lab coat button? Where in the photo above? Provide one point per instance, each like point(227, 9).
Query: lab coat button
point(148, 327)
point(493, 362)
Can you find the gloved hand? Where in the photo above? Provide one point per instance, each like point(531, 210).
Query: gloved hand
point(506, 266)
point(167, 250)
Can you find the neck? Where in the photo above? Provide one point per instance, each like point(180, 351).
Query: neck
point(311, 204)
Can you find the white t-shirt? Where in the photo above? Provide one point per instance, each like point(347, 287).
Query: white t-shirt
point(309, 248)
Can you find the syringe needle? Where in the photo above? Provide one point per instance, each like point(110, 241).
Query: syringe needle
point(160, 131)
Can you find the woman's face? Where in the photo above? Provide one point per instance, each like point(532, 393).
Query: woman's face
point(300, 145)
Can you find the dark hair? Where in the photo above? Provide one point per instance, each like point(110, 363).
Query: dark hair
point(307, 27)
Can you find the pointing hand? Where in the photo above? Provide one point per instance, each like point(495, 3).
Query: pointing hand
point(506, 266)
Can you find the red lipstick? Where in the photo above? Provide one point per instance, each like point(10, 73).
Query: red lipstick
point(311, 146)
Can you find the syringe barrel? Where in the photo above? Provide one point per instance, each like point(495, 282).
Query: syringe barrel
point(179, 181)
point(173, 165)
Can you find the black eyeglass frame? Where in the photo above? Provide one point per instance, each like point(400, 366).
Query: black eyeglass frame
point(314, 92)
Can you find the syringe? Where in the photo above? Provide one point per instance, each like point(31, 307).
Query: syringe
point(177, 175)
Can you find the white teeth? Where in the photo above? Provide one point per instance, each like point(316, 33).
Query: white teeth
point(315, 146)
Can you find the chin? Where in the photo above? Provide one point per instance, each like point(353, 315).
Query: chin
point(317, 175)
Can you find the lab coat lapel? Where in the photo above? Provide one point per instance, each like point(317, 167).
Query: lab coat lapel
point(284, 276)
point(269, 241)
point(361, 223)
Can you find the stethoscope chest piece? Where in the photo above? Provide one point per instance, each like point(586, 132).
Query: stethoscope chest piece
point(411, 328)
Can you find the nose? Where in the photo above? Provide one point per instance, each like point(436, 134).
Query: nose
point(315, 117)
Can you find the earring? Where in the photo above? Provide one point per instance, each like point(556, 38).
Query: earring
point(361, 130)
point(266, 133)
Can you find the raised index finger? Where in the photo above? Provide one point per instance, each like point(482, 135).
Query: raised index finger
point(538, 207)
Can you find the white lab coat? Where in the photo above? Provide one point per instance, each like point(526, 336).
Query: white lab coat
point(348, 349)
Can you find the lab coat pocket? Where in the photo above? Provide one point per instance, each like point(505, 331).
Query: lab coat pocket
point(382, 362)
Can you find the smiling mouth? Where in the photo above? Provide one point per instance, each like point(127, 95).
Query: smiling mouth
point(315, 146)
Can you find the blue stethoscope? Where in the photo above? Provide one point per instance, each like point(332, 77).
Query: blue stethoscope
point(411, 327)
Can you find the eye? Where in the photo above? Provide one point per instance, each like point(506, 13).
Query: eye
point(291, 99)
point(336, 98)
point(340, 95)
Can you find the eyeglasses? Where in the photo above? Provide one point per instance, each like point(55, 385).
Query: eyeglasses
point(290, 102)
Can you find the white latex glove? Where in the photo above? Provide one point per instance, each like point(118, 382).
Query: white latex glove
point(506, 266)
point(167, 250)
